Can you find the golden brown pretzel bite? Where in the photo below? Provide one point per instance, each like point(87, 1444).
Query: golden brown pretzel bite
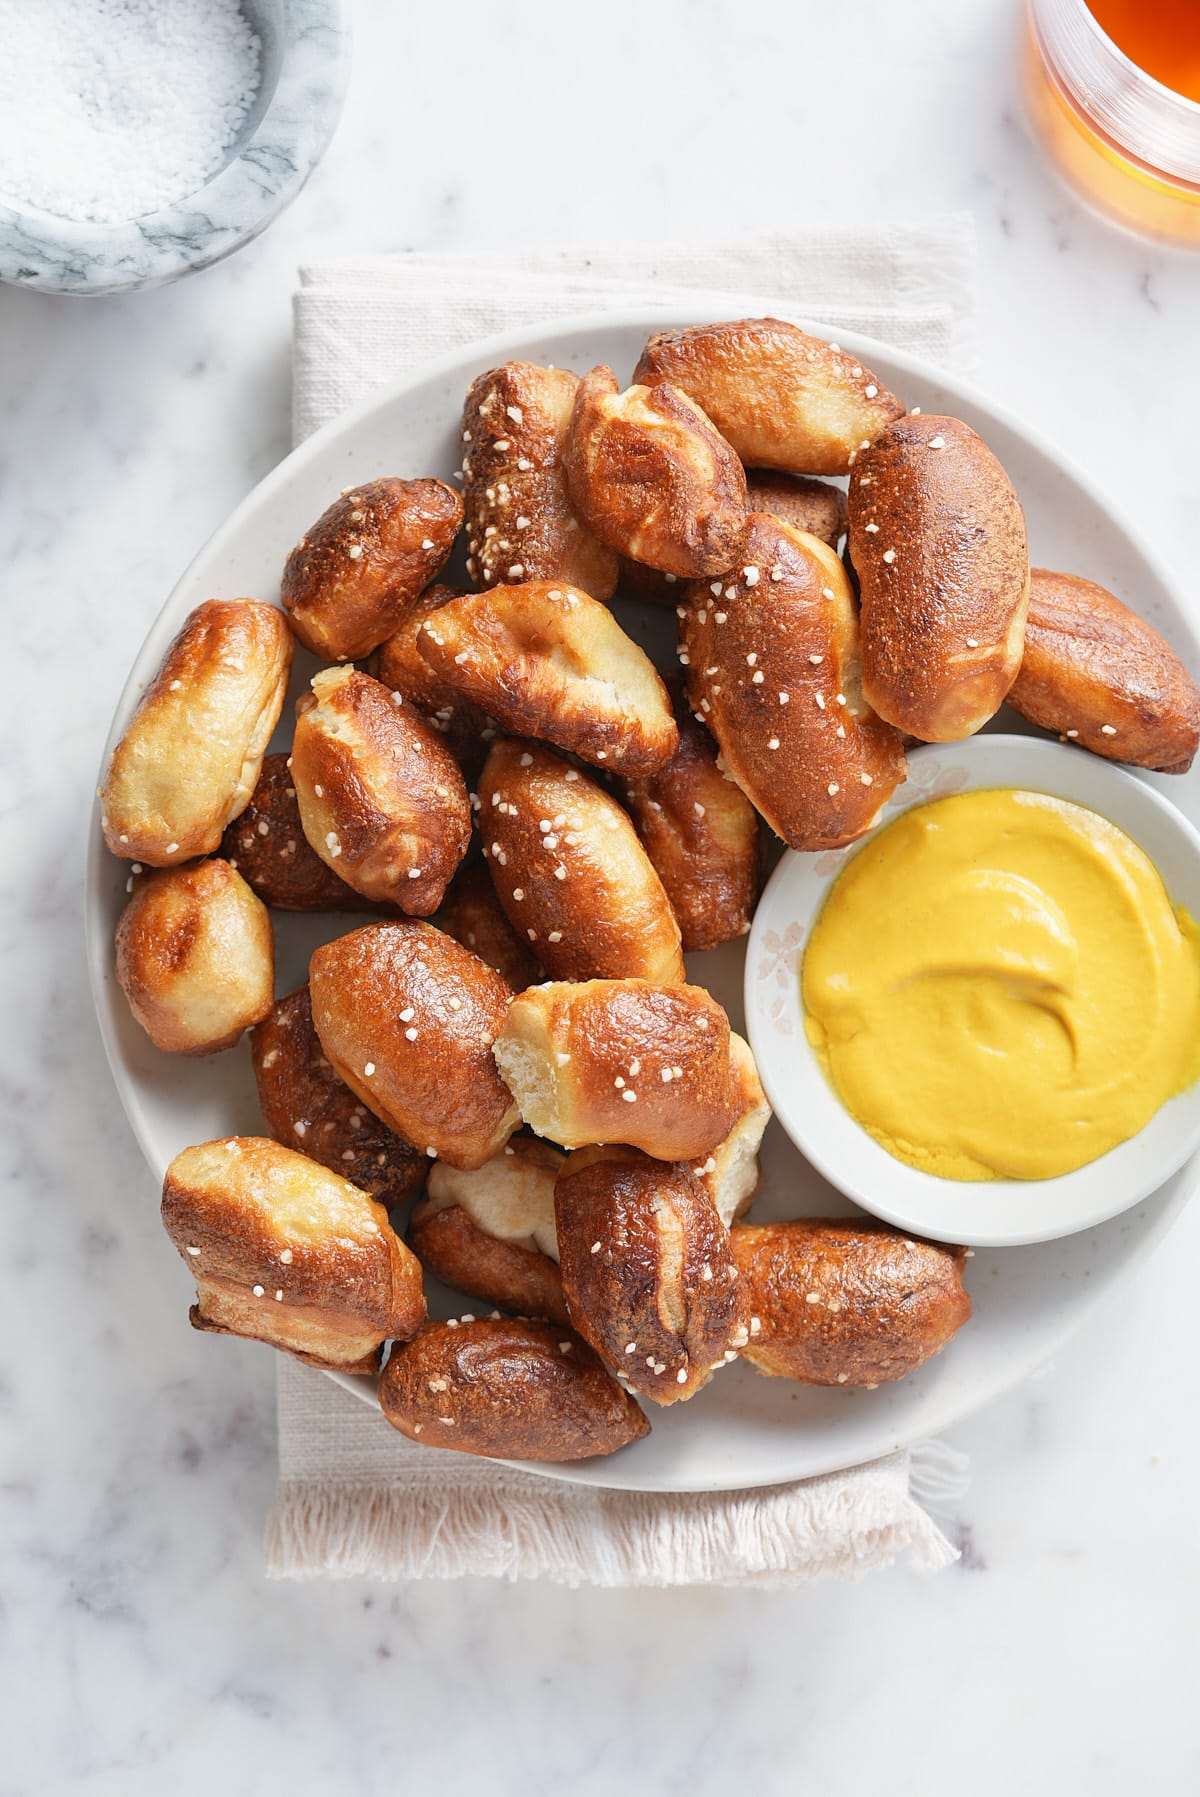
point(937, 537)
point(401, 667)
point(653, 478)
point(407, 1017)
point(1098, 674)
point(520, 525)
point(701, 834)
point(814, 506)
point(508, 1388)
point(307, 1107)
point(621, 1061)
point(195, 957)
point(773, 669)
point(472, 914)
point(730, 1173)
point(647, 1271)
point(547, 661)
point(836, 1301)
point(570, 873)
point(348, 583)
point(381, 797)
point(490, 1232)
point(284, 1251)
point(191, 753)
point(782, 398)
point(268, 847)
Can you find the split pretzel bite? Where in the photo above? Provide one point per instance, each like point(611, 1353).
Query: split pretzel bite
point(774, 671)
point(348, 583)
point(838, 1301)
point(621, 1061)
point(647, 1271)
point(649, 473)
point(191, 753)
point(490, 1232)
point(700, 832)
point(407, 1017)
point(399, 665)
point(937, 538)
point(730, 1173)
point(306, 1106)
point(570, 873)
point(520, 525)
point(508, 1388)
point(382, 800)
point(1098, 674)
point(782, 398)
point(284, 1251)
point(547, 661)
point(195, 957)
point(268, 847)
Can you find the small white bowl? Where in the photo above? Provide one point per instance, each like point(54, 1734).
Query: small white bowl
point(984, 1212)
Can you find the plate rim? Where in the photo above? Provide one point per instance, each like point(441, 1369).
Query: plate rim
point(698, 307)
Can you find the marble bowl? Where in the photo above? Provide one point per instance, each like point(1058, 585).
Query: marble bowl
point(305, 62)
point(994, 1212)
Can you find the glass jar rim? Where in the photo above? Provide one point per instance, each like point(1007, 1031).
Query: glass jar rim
point(1144, 118)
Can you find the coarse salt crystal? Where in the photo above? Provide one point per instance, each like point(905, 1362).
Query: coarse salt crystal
point(115, 111)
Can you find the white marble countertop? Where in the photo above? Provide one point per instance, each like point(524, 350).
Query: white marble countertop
point(141, 1649)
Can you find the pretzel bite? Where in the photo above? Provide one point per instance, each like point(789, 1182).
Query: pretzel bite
point(401, 667)
point(730, 1173)
point(773, 669)
point(382, 799)
point(547, 661)
point(520, 525)
point(508, 1388)
point(268, 847)
point(937, 538)
point(1096, 673)
point(782, 398)
point(653, 478)
point(814, 506)
point(570, 873)
point(195, 957)
point(832, 1301)
point(348, 583)
point(701, 834)
point(306, 1106)
point(647, 1273)
point(471, 913)
point(621, 1061)
point(286, 1252)
point(407, 1017)
point(636, 581)
point(190, 756)
point(491, 1232)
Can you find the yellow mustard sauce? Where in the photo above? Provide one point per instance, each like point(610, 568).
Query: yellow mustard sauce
point(998, 986)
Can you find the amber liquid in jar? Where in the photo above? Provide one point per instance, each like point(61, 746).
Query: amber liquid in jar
point(1161, 36)
point(1113, 86)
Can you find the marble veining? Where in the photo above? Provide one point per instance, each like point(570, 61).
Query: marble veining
point(141, 1650)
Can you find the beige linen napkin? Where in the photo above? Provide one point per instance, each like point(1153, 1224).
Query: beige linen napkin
point(355, 1497)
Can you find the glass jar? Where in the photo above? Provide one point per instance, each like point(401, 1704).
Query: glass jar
point(1128, 144)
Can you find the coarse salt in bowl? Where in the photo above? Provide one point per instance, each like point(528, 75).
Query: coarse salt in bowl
point(994, 1212)
point(142, 141)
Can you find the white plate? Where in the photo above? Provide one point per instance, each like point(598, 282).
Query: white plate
point(997, 1212)
point(742, 1430)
